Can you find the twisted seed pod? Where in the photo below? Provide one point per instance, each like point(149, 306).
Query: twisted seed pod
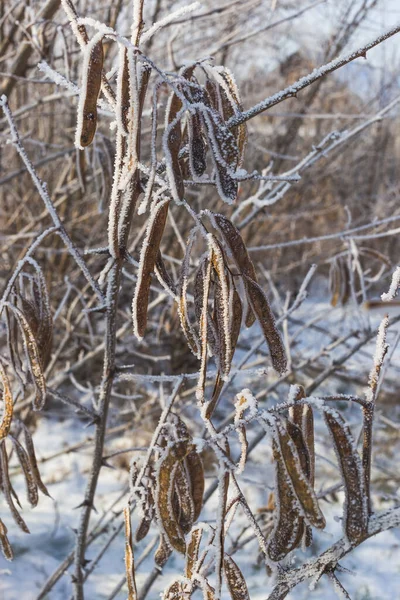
point(235, 581)
point(148, 257)
point(31, 485)
point(163, 552)
point(192, 551)
point(4, 543)
point(288, 524)
point(8, 403)
point(301, 486)
point(355, 507)
point(88, 119)
point(164, 495)
point(262, 310)
point(7, 488)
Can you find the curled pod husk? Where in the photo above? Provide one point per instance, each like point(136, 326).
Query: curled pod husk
point(8, 405)
point(172, 146)
point(91, 84)
point(192, 551)
point(288, 525)
point(163, 552)
point(7, 488)
point(195, 469)
point(148, 258)
point(261, 308)
point(164, 496)
point(4, 543)
point(302, 488)
point(30, 449)
point(23, 459)
point(238, 249)
point(355, 507)
point(235, 580)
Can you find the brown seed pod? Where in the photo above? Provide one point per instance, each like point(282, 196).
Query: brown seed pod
point(163, 275)
point(7, 488)
point(163, 552)
point(288, 524)
point(192, 551)
point(195, 470)
point(230, 106)
point(33, 461)
point(221, 305)
point(239, 253)
point(129, 559)
point(187, 328)
point(301, 486)
point(240, 409)
point(176, 591)
point(33, 355)
point(87, 120)
point(4, 543)
point(183, 494)
point(23, 459)
point(148, 257)
point(164, 495)
point(197, 146)
point(334, 283)
point(236, 318)
point(234, 579)
point(355, 507)
point(262, 310)
point(173, 139)
point(7, 399)
point(203, 335)
point(224, 154)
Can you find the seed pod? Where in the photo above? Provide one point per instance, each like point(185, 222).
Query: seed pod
point(8, 403)
point(163, 552)
point(236, 318)
point(188, 330)
point(231, 106)
point(33, 461)
point(195, 469)
point(239, 253)
point(288, 524)
point(301, 486)
point(183, 494)
point(148, 257)
point(203, 334)
point(355, 507)
point(176, 591)
point(261, 308)
point(197, 147)
point(221, 306)
point(192, 551)
point(33, 358)
point(164, 495)
point(172, 145)
point(240, 408)
point(334, 282)
point(23, 459)
point(4, 543)
point(129, 560)
point(235, 581)
point(163, 275)
point(7, 488)
point(91, 84)
point(224, 154)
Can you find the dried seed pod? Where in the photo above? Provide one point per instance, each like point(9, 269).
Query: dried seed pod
point(164, 495)
point(224, 154)
point(197, 146)
point(240, 408)
point(355, 507)
point(183, 493)
point(7, 488)
point(231, 106)
point(123, 95)
point(221, 306)
point(129, 560)
point(33, 461)
point(236, 318)
point(192, 551)
point(288, 523)
point(198, 295)
point(235, 581)
point(4, 543)
point(7, 399)
point(344, 281)
point(261, 308)
point(91, 84)
point(334, 282)
point(203, 334)
point(33, 358)
point(301, 486)
point(23, 459)
point(195, 470)
point(239, 252)
point(163, 552)
point(172, 145)
point(148, 257)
